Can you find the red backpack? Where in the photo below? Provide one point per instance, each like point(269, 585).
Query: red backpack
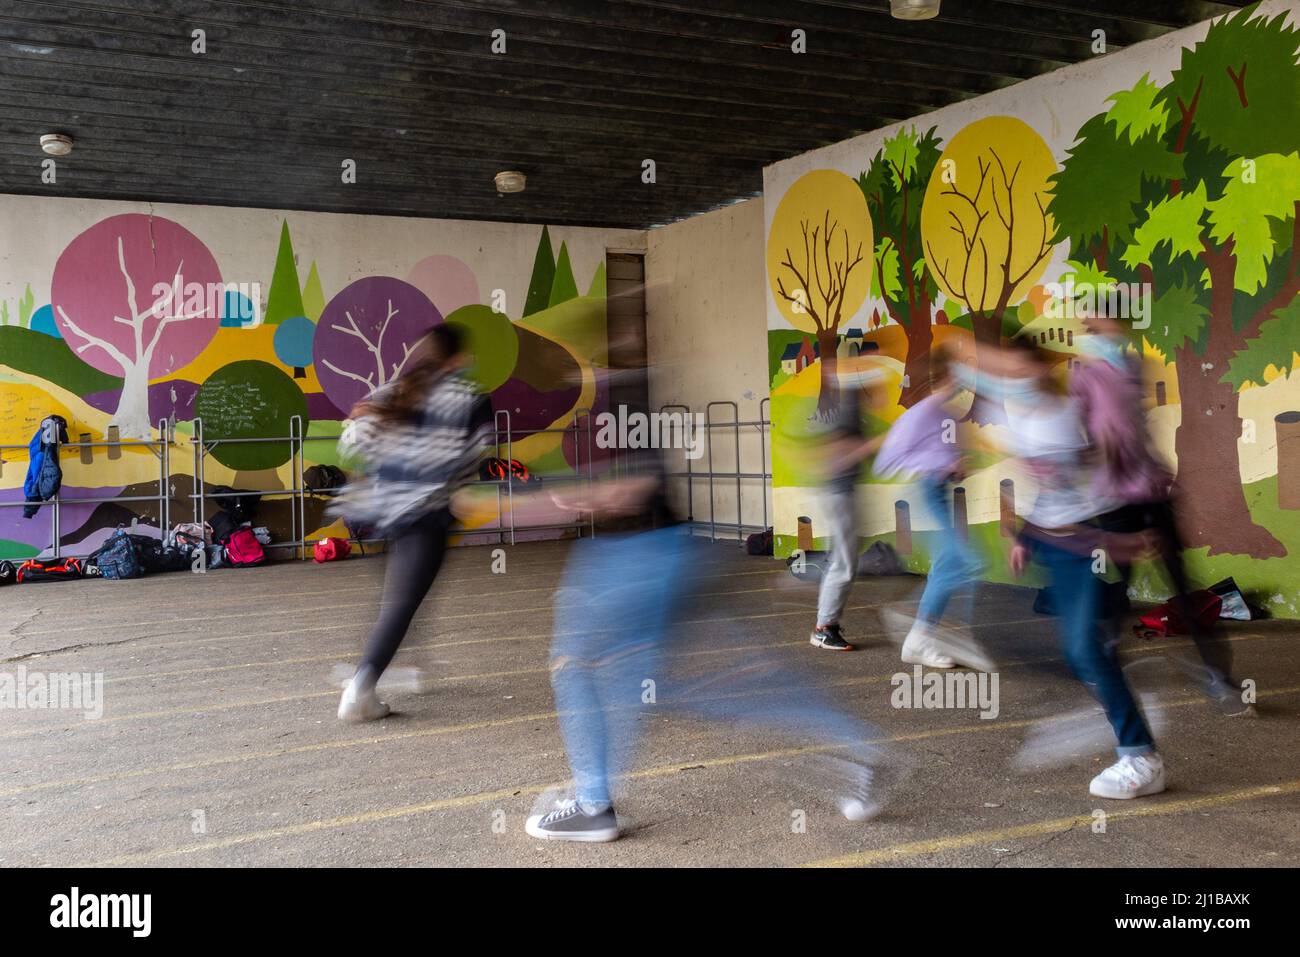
point(1203, 606)
point(49, 570)
point(331, 550)
point(244, 548)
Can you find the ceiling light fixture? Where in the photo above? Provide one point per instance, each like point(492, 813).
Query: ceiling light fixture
point(914, 9)
point(56, 144)
point(511, 181)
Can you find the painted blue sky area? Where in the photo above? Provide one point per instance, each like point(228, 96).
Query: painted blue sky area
point(237, 310)
point(43, 321)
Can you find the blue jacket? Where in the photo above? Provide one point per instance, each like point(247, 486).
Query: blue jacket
point(44, 476)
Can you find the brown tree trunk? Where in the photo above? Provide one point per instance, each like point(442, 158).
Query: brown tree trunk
point(1213, 510)
point(828, 395)
point(988, 338)
point(920, 336)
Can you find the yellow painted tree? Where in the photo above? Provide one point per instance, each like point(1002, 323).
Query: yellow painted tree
point(819, 262)
point(987, 232)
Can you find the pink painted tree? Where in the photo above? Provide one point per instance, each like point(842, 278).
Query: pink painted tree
point(136, 296)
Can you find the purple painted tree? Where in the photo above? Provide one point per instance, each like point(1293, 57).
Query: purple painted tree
point(137, 296)
point(366, 334)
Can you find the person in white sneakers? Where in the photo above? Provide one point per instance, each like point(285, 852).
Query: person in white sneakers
point(923, 443)
point(421, 437)
point(1060, 533)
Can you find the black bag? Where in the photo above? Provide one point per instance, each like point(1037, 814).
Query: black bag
point(760, 543)
point(223, 526)
point(117, 558)
point(48, 570)
point(242, 506)
point(880, 559)
point(324, 478)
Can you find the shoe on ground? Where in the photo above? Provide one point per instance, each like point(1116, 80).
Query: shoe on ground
point(860, 801)
point(1132, 776)
point(361, 705)
point(829, 637)
point(570, 822)
point(920, 648)
point(961, 647)
point(1228, 699)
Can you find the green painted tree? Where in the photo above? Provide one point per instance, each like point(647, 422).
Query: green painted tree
point(539, 287)
point(563, 286)
point(597, 288)
point(284, 301)
point(1194, 189)
point(894, 185)
point(313, 297)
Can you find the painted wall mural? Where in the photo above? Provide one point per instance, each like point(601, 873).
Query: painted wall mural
point(142, 326)
point(1174, 175)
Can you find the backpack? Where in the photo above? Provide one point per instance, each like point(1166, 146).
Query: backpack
point(331, 550)
point(1204, 606)
point(324, 478)
point(497, 470)
point(48, 570)
point(118, 557)
point(880, 559)
point(244, 548)
point(760, 543)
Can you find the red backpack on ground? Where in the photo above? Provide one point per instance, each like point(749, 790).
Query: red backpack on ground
point(331, 550)
point(244, 548)
point(1203, 606)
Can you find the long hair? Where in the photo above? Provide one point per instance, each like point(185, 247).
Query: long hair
point(404, 401)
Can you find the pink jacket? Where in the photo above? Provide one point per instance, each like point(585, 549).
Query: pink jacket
point(1116, 424)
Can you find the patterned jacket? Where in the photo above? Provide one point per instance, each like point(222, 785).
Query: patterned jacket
point(412, 469)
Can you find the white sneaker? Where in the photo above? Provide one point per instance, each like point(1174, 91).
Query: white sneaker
point(961, 647)
point(361, 705)
point(920, 649)
point(1132, 776)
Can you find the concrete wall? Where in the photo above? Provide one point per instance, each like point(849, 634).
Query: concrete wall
point(705, 292)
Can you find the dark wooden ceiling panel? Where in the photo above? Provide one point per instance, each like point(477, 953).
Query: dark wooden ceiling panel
point(412, 92)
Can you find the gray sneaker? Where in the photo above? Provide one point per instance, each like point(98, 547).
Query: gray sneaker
point(569, 822)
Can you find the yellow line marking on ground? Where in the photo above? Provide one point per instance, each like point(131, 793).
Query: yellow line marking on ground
point(308, 696)
point(472, 800)
point(886, 855)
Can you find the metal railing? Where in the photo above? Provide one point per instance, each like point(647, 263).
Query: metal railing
point(160, 447)
point(762, 425)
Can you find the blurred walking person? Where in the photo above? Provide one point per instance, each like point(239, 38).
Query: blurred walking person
point(1109, 385)
point(844, 447)
point(1060, 533)
point(421, 437)
point(923, 443)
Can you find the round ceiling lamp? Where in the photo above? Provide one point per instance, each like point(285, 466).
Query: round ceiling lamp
point(511, 181)
point(914, 9)
point(56, 144)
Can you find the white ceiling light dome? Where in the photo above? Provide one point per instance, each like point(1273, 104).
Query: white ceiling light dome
point(914, 9)
point(511, 181)
point(56, 144)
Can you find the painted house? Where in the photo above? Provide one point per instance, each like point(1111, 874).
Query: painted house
point(790, 359)
point(850, 344)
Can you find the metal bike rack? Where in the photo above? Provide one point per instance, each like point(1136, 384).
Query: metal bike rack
point(204, 444)
point(160, 447)
point(763, 425)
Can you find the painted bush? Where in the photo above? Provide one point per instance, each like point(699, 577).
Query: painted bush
point(249, 399)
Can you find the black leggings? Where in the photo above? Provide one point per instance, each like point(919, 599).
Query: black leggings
point(414, 558)
point(1159, 517)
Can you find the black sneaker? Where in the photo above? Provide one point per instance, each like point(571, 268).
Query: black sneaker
point(830, 637)
point(569, 822)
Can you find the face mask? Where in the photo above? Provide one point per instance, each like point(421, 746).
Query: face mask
point(1112, 349)
point(997, 388)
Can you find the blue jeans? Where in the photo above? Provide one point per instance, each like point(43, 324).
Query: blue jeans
point(954, 566)
point(617, 612)
point(1093, 660)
